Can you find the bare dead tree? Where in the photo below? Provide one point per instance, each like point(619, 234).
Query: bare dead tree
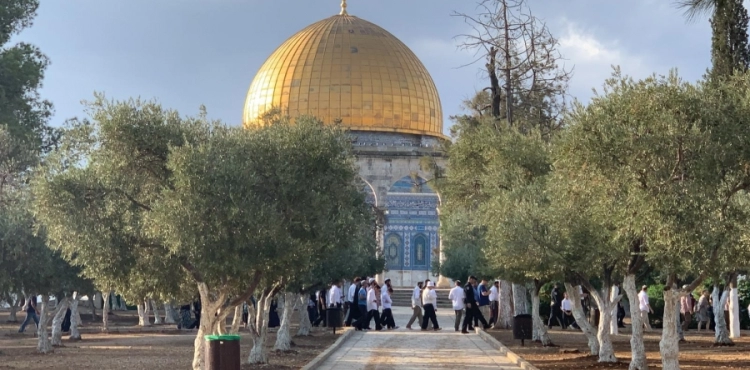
point(522, 64)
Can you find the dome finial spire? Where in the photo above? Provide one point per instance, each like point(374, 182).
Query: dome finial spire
point(343, 8)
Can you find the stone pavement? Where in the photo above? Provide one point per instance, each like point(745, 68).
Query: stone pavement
point(405, 349)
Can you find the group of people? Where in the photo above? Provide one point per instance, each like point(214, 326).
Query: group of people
point(474, 301)
point(365, 301)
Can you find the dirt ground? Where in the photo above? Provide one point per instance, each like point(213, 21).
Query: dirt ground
point(697, 353)
point(162, 347)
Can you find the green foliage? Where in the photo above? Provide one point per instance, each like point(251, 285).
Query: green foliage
point(151, 203)
point(656, 164)
point(22, 69)
point(729, 45)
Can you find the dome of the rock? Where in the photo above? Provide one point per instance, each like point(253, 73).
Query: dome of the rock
point(347, 68)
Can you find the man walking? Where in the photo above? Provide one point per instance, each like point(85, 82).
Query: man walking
point(334, 295)
point(471, 298)
point(416, 305)
point(483, 301)
point(429, 299)
point(32, 313)
point(687, 307)
point(644, 307)
point(351, 305)
point(494, 302)
point(555, 307)
point(456, 296)
point(362, 322)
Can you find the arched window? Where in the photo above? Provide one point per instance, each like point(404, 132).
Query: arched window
point(420, 250)
point(393, 247)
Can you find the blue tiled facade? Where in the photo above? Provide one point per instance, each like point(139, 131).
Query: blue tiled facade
point(411, 229)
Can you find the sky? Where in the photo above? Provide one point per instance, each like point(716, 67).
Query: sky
point(188, 53)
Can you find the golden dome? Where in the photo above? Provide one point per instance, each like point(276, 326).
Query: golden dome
point(347, 68)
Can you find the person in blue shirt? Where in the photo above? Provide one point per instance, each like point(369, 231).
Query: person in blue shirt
point(362, 322)
point(483, 300)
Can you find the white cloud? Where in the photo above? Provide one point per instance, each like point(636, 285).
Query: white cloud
point(593, 58)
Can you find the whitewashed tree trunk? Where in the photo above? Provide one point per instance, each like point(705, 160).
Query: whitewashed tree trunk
point(157, 318)
point(14, 306)
point(606, 350)
point(581, 320)
point(169, 314)
point(283, 335)
point(259, 330)
point(520, 302)
point(734, 313)
point(669, 346)
point(304, 319)
point(638, 350)
point(505, 319)
point(613, 329)
point(209, 309)
point(722, 334)
point(75, 317)
point(236, 320)
point(60, 311)
point(143, 319)
point(43, 344)
point(105, 311)
point(540, 330)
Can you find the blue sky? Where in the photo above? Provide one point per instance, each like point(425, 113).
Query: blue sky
point(185, 53)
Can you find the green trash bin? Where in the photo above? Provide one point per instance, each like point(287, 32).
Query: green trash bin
point(223, 352)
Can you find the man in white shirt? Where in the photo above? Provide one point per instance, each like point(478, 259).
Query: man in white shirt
point(334, 295)
point(567, 309)
point(644, 306)
point(351, 304)
point(456, 296)
point(494, 302)
point(372, 307)
point(387, 317)
point(429, 300)
point(416, 305)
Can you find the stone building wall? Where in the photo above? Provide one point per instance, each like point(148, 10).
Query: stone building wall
point(386, 163)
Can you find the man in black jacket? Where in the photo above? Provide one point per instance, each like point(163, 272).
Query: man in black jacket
point(472, 307)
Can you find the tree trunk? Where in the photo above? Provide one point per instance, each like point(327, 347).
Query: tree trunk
point(638, 350)
point(105, 311)
point(606, 351)
point(581, 320)
point(60, 311)
point(259, 330)
point(613, 329)
point(15, 304)
point(669, 346)
point(283, 335)
point(734, 310)
point(143, 319)
point(236, 320)
point(209, 309)
point(505, 321)
point(168, 314)
point(520, 306)
point(75, 317)
point(722, 334)
point(43, 343)
point(540, 329)
point(304, 319)
point(157, 318)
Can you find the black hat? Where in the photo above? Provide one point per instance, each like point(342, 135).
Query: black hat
point(388, 279)
point(472, 277)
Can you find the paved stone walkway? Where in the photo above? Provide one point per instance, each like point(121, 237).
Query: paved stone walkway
point(405, 349)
